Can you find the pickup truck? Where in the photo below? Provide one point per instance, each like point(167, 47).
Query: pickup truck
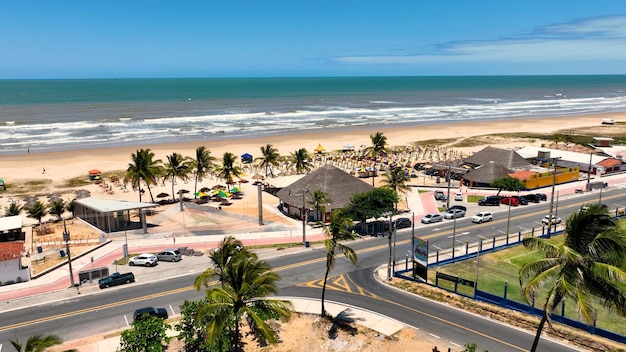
point(116, 279)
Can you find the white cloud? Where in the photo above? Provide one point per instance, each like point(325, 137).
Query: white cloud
point(595, 39)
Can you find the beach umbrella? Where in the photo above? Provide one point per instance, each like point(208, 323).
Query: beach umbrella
point(217, 187)
point(163, 195)
point(30, 203)
point(235, 190)
point(205, 189)
point(52, 195)
point(31, 198)
point(258, 177)
point(54, 199)
point(183, 191)
point(95, 172)
point(201, 194)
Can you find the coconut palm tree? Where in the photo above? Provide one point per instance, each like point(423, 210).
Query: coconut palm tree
point(587, 266)
point(228, 171)
point(338, 229)
point(270, 157)
point(177, 166)
point(71, 206)
point(396, 180)
point(203, 164)
point(37, 343)
point(301, 159)
point(249, 280)
point(37, 211)
point(143, 167)
point(12, 210)
point(319, 200)
point(379, 143)
point(57, 208)
point(230, 250)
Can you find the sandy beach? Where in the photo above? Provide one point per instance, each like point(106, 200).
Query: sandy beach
point(62, 166)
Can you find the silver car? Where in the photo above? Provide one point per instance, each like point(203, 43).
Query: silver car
point(143, 259)
point(170, 255)
point(454, 213)
point(430, 218)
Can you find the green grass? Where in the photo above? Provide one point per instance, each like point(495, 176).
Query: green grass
point(474, 199)
point(501, 268)
point(439, 141)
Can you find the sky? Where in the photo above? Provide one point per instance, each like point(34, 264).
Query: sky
point(292, 38)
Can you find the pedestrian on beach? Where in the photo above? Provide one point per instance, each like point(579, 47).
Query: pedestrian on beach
point(44, 170)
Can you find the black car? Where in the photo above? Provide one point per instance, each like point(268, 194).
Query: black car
point(489, 200)
point(541, 196)
point(401, 223)
point(460, 207)
point(143, 313)
point(533, 198)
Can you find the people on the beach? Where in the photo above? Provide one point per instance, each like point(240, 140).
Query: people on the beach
point(44, 170)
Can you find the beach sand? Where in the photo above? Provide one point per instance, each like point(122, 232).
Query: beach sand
point(66, 165)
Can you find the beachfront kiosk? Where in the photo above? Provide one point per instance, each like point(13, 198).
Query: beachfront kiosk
point(111, 215)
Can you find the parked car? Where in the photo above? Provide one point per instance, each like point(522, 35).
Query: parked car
point(509, 201)
point(546, 220)
point(116, 279)
point(541, 196)
point(170, 255)
point(460, 207)
point(521, 200)
point(401, 223)
point(143, 259)
point(458, 197)
point(143, 313)
point(439, 195)
point(430, 218)
point(454, 213)
point(489, 200)
point(533, 198)
point(372, 228)
point(483, 216)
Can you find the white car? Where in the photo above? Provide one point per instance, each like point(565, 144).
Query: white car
point(483, 216)
point(145, 259)
point(458, 197)
point(546, 220)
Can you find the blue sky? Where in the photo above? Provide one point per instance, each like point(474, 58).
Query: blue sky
point(152, 38)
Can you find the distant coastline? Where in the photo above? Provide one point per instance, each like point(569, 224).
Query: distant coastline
point(55, 115)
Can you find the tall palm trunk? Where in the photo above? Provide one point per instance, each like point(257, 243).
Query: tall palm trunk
point(324, 286)
point(539, 329)
point(150, 192)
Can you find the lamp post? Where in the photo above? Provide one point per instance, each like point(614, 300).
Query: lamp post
point(385, 214)
point(303, 194)
point(552, 197)
point(66, 238)
point(454, 238)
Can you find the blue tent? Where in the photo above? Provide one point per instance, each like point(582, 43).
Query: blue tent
point(246, 158)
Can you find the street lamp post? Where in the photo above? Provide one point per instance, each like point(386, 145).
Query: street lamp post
point(303, 194)
point(552, 197)
point(66, 238)
point(454, 238)
point(385, 214)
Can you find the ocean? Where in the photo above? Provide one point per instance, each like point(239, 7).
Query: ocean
point(47, 115)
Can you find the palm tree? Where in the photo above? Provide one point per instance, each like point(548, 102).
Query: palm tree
point(202, 165)
point(230, 250)
point(301, 160)
point(249, 280)
point(588, 264)
point(228, 171)
point(379, 142)
point(71, 206)
point(12, 210)
point(270, 157)
point(57, 208)
point(338, 229)
point(177, 166)
point(395, 180)
point(37, 343)
point(319, 200)
point(143, 167)
point(37, 211)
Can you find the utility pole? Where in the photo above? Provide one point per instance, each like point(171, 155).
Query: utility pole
point(66, 238)
point(552, 198)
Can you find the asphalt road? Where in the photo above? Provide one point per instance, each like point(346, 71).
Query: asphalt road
point(301, 276)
